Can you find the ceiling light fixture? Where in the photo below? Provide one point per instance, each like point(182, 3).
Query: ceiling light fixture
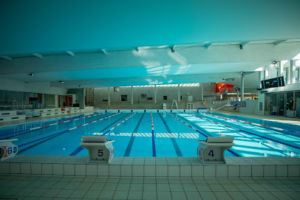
point(31, 74)
point(61, 82)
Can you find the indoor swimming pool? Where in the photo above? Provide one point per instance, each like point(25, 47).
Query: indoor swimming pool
point(154, 134)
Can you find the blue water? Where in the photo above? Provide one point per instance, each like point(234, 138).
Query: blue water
point(134, 137)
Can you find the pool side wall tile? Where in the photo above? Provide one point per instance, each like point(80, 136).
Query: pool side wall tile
point(137, 170)
point(185, 171)
point(173, 170)
point(25, 168)
point(80, 170)
point(221, 171)
point(149, 170)
point(126, 170)
point(293, 170)
point(15, 168)
point(36, 168)
point(257, 170)
point(5, 168)
point(58, 169)
point(103, 170)
point(281, 170)
point(114, 170)
point(47, 169)
point(197, 170)
point(269, 171)
point(161, 170)
point(233, 170)
point(209, 171)
point(245, 170)
point(91, 170)
point(69, 170)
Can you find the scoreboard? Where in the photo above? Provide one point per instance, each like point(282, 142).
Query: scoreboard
point(273, 82)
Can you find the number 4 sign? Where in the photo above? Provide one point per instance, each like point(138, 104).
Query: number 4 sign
point(7, 149)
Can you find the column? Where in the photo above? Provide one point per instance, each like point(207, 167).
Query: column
point(108, 97)
point(280, 69)
point(299, 75)
point(56, 101)
point(155, 94)
point(259, 79)
point(201, 93)
point(131, 95)
point(242, 90)
point(292, 71)
point(266, 73)
point(178, 93)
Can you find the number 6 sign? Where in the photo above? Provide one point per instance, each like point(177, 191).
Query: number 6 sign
point(7, 149)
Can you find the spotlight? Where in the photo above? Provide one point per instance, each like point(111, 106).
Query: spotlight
point(274, 62)
point(79, 85)
point(31, 74)
point(61, 82)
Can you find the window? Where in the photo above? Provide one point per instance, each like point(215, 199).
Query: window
point(123, 97)
point(165, 98)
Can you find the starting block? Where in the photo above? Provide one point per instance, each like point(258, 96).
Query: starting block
point(7, 149)
point(212, 150)
point(99, 148)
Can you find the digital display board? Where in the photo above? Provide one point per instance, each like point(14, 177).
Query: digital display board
point(273, 82)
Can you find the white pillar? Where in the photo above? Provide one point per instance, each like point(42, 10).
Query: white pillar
point(242, 90)
point(56, 101)
point(178, 93)
point(298, 75)
point(292, 71)
point(131, 95)
point(259, 79)
point(201, 92)
point(108, 97)
point(280, 69)
point(155, 94)
point(267, 75)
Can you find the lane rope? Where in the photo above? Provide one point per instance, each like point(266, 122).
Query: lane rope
point(274, 140)
point(79, 149)
point(256, 124)
point(45, 126)
point(231, 151)
point(21, 145)
point(153, 137)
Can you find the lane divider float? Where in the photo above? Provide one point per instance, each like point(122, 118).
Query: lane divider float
point(153, 137)
point(45, 126)
point(102, 134)
point(59, 133)
point(274, 140)
point(256, 124)
point(231, 151)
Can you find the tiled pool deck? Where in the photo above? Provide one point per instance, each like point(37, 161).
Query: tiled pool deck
point(152, 167)
point(32, 187)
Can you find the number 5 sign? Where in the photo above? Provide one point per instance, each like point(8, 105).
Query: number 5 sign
point(7, 149)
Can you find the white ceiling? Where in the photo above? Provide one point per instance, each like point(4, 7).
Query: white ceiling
point(100, 44)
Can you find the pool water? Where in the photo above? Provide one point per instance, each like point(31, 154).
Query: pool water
point(172, 135)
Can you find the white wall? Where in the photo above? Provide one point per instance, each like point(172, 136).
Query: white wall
point(41, 87)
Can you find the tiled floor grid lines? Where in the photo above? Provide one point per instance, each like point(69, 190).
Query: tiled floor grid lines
point(59, 187)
